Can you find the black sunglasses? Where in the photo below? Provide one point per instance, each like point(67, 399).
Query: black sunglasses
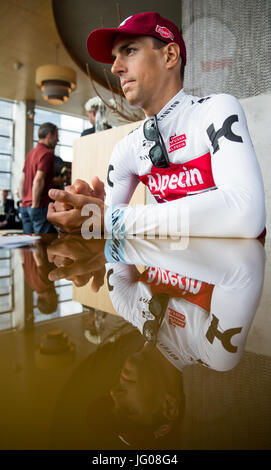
point(157, 306)
point(158, 153)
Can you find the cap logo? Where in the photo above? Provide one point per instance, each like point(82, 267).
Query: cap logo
point(124, 21)
point(164, 32)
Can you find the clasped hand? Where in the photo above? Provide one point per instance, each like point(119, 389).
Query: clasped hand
point(78, 260)
point(66, 212)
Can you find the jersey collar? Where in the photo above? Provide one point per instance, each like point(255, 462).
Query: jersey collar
point(178, 100)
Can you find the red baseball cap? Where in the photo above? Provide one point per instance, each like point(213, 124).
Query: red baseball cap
point(100, 41)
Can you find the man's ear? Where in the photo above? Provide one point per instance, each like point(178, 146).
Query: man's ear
point(170, 411)
point(170, 407)
point(163, 430)
point(173, 55)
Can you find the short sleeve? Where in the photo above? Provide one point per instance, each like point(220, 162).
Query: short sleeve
point(46, 162)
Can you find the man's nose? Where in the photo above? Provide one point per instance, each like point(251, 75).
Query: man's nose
point(117, 66)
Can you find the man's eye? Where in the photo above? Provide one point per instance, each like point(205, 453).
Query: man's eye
point(130, 50)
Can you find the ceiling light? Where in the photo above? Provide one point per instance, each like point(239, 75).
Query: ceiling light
point(56, 83)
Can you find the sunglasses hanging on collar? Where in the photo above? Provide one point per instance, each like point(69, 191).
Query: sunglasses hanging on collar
point(158, 153)
point(157, 307)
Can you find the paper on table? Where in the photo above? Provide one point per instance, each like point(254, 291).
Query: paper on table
point(15, 241)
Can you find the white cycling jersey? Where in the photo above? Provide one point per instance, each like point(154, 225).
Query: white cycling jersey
point(214, 175)
point(214, 289)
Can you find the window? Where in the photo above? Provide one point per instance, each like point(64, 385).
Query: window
point(69, 129)
point(6, 290)
point(6, 142)
point(65, 305)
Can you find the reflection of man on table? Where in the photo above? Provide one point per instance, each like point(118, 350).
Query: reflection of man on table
point(213, 290)
point(213, 287)
point(36, 269)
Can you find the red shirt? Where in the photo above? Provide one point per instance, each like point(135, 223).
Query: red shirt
point(35, 276)
point(40, 158)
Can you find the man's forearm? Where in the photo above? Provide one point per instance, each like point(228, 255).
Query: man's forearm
point(37, 188)
point(58, 181)
point(218, 213)
point(21, 189)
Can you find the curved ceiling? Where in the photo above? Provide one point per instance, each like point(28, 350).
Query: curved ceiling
point(75, 20)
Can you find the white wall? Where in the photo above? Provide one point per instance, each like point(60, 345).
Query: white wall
point(257, 110)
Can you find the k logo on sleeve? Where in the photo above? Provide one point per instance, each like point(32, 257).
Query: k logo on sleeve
point(225, 131)
point(225, 336)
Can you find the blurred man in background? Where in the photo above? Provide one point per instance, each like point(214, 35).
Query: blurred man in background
point(9, 218)
point(91, 114)
point(36, 180)
point(92, 111)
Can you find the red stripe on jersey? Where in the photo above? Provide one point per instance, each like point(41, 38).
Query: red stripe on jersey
point(176, 285)
point(181, 179)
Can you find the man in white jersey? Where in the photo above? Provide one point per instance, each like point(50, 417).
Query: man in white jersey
point(193, 153)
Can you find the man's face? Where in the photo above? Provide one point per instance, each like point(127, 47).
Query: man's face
point(139, 391)
point(141, 69)
point(4, 194)
point(52, 139)
point(91, 116)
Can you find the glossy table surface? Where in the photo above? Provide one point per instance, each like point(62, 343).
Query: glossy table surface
point(184, 363)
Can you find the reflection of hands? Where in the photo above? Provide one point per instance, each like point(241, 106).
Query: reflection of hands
point(78, 260)
point(65, 212)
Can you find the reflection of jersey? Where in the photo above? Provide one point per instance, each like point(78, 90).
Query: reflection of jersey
point(211, 304)
point(176, 285)
point(211, 158)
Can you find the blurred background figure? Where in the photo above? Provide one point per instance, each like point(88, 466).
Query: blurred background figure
point(95, 110)
point(62, 174)
point(9, 217)
point(36, 180)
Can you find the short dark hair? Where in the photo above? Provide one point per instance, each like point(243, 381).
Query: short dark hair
point(158, 44)
point(49, 303)
point(45, 128)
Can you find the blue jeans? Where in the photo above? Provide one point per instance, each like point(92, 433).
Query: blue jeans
point(35, 220)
